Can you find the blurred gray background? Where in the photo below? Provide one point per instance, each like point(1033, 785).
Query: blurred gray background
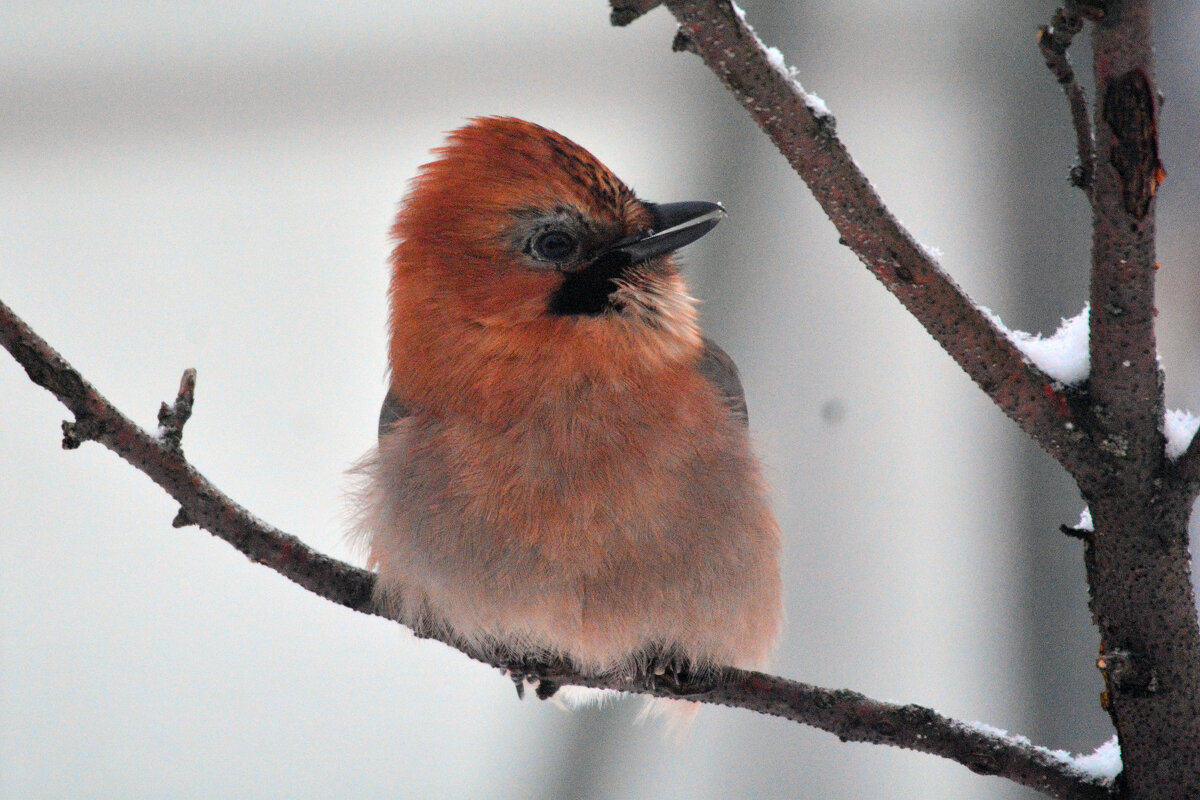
point(211, 185)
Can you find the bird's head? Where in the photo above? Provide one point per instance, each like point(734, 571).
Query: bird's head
point(517, 233)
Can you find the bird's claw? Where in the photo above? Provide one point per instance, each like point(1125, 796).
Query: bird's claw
point(530, 670)
point(676, 675)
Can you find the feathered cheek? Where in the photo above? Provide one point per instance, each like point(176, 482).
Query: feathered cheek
point(657, 295)
point(515, 296)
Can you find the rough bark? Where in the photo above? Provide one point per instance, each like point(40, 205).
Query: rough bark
point(1137, 560)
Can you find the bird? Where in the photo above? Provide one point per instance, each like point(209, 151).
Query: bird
point(563, 470)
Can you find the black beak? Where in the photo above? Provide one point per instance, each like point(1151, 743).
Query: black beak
point(590, 290)
point(675, 225)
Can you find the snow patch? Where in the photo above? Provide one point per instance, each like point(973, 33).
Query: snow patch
point(775, 58)
point(1085, 520)
point(1063, 356)
point(1179, 427)
point(813, 101)
point(1103, 763)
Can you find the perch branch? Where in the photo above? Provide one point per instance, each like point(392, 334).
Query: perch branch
point(848, 715)
point(162, 460)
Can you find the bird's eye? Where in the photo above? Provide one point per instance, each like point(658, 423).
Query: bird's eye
point(555, 246)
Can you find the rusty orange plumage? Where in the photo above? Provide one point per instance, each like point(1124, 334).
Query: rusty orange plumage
point(564, 467)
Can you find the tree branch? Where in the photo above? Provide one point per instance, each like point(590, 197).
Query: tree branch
point(1110, 438)
point(804, 131)
point(854, 717)
point(848, 715)
point(1138, 563)
point(1126, 385)
point(1054, 40)
point(162, 460)
point(626, 11)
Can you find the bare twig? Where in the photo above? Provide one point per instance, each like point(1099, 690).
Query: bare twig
point(201, 503)
point(626, 11)
point(1054, 40)
point(172, 418)
point(803, 130)
point(848, 715)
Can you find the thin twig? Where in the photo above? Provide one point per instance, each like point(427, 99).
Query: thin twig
point(172, 418)
point(201, 503)
point(804, 131)
point(848, 715)
point(626, 11)
point(1054, 40)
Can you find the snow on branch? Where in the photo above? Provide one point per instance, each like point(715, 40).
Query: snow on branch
point(1062, 356)
point(1179, 429)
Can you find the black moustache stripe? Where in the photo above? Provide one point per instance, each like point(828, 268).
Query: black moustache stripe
point(589, 291)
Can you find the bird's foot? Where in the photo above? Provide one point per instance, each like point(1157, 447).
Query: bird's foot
point(677, 675)
point(530, 669)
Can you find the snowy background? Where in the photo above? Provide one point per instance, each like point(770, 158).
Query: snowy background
point(208, 185)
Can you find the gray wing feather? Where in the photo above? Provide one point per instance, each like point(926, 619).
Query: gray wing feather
point(716, 365)
point(392, 412)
